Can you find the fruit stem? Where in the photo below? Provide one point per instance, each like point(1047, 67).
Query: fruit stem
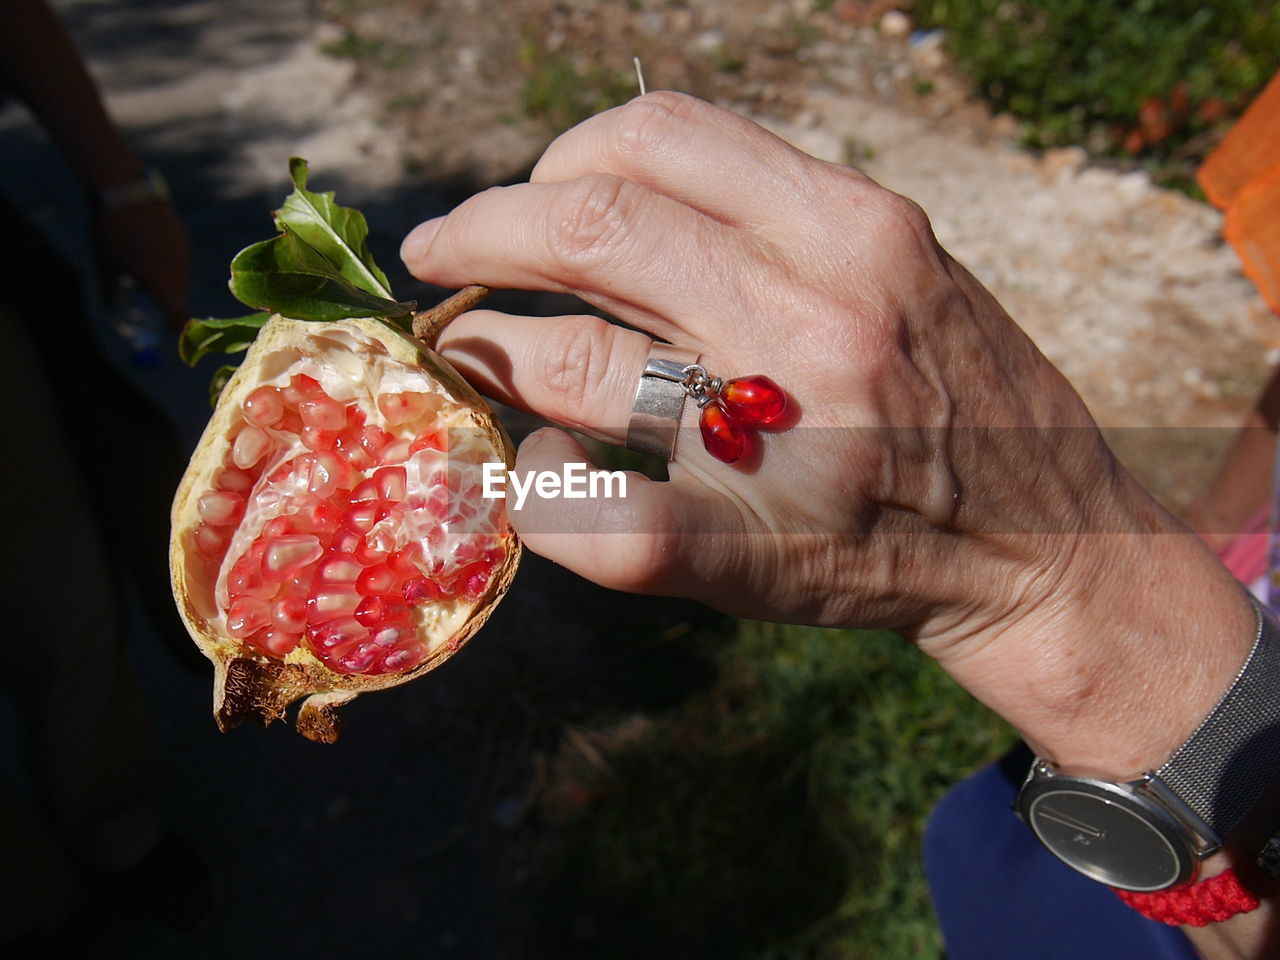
point(427, 324)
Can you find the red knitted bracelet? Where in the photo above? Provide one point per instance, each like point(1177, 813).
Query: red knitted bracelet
point(1195, 904)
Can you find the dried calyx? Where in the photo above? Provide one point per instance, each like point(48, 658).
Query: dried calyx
point(330, 536)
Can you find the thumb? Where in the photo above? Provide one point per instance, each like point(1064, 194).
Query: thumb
point(625, 532)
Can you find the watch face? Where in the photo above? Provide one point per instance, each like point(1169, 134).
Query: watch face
point(1107, 833)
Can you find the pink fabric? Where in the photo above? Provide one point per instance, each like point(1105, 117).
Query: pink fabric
point(1246, 555)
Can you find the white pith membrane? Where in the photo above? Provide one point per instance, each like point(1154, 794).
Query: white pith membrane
point(319, 516)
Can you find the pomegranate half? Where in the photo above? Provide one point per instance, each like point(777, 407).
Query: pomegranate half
point(330, 536)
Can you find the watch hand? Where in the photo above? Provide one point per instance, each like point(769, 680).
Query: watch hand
point(1048, 813)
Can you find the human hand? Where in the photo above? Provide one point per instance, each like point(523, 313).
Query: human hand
point(940, 477)
point(148, 242)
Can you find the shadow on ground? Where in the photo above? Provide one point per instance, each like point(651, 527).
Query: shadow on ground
point(419, 833)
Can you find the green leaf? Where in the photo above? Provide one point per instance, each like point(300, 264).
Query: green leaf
point(339, 234)
point(220, 378)
point(211, 335)
point(318, 267)
point(288, 276)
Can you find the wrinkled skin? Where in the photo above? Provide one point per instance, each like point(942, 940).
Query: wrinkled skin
point(939, 476)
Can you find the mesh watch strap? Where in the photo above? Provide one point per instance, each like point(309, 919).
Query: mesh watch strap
point(1223, 768)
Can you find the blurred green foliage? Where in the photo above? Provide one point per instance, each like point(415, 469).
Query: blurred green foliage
point(777, 814)
point(353, 46)
point(1148, 78)
point(561, 93)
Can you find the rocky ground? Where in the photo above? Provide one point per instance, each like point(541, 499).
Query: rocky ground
point(407, 105)
point(402, 106)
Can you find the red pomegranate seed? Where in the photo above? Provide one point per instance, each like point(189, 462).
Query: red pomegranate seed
point(378, 580)
point(302, 582)
point(221, 508)
point(290, 422)
point(468, 551)
point(277, 527)
point(237, 481)
point(319, 517)
point(402, 658)
point(369, 555)
point(289, 613)
point(398, 451)
point(358, 660)
point(475, 586)
point(419, 590)
point(286, 470)
point(323, 413)
point(251, 445)
point(287, 555)
point(389, 636)
point(247, 615)
point(431, 440)
point(338, 569)
point(347, 445)
point(365, 490)
point(399, 408)
point(373, 439)
point(263, 407)
point(325, 474)
point(336, 637)
point(302, 387)
point(329, 603)
point(210, 541)
point(403, 561)
point(380, 611)
point(360, 517)
point(437, 505)
point(392, 483)
point(346, 541)
point(246, 579)
point(320, 441)
point(277, 641)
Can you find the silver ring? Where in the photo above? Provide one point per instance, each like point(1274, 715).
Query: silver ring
point(659, 403)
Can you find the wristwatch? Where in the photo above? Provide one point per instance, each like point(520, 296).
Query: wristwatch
point(1151, 833)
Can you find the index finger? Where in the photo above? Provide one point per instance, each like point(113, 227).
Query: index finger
point(710, 159)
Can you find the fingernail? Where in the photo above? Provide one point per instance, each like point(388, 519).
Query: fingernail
point(418, 241)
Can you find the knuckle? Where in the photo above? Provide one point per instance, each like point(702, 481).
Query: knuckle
point(577, 364)
point(591, 221)
point(647, 121)
point(646, 561)
point(906, 217)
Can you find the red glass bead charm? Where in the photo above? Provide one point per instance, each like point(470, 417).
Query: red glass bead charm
point(753, 401)
point(724, 439)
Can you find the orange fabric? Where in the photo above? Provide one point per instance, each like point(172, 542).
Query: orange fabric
point(1253, 228)
point(1249, 150)
point(1242, 176)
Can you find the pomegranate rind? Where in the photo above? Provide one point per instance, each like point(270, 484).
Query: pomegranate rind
point(249, 685)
